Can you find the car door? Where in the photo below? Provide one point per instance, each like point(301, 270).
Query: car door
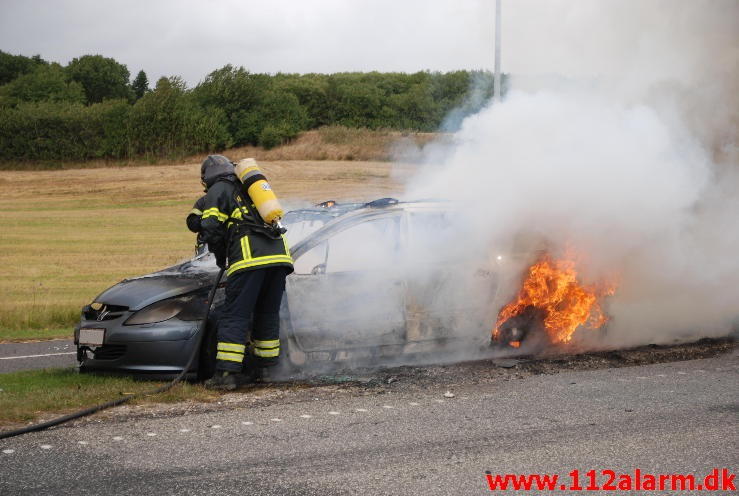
point(347, 291)
point(451, 281)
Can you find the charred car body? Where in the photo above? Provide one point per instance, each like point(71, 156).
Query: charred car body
point(377, 279)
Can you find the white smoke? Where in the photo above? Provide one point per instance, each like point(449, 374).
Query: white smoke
point(628, 154)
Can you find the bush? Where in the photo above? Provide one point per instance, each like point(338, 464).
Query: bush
point(311, 90)
point(168, 122)
point(43, 131)
point(274, 135)
point(165, 122)
point(114, 117)
point(63, 131)
point(277, 109)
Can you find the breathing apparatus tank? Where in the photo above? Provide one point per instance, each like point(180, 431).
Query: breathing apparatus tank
point(260, 191)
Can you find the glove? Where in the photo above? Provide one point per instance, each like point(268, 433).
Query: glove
point(218, 249)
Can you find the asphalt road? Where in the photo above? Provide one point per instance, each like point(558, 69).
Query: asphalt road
point(38, 355)
point(663, 418)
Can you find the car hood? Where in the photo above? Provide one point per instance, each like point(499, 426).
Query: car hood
point(140, 292)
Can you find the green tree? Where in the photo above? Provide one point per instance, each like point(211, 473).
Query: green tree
point(311, 91)
point(47, 112)
point(279, 118)
point(169, 122)
point(140, 85)
point(354, 103)
point(237, 92)
point(102, 78)
point(415, 109)
point(45, 83)
point(478, 94)
point(12, 66)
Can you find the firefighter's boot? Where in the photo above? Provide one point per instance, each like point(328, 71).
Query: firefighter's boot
point(225, 380)
point(252, 370)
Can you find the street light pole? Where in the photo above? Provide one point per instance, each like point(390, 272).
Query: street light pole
point(496, 81)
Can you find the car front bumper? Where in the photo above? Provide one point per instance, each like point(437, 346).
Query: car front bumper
point(163, 348)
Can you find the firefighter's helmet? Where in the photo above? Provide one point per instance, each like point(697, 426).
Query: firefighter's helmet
point(213, 167)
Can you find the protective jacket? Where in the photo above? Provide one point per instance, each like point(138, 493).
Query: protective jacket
point(194, 215)
point(233, 228)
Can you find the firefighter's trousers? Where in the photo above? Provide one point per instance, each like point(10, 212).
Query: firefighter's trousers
point(251, 309)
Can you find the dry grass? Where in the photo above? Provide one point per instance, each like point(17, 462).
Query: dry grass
point(334, 143)
point(67, 235)
point(342, 143)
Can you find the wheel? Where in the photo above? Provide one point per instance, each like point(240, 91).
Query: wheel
point(207, 353)
point(524, 332)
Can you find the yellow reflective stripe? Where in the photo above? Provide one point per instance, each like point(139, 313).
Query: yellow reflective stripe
point(266, 353)
point(238, 348)
point(214, 212)
point(245, 248)
point(230, 357)
point(272, 343)
point(196, 211)
point(265, 260)
point(238, 212)
point(284, 242)
point(256, 262)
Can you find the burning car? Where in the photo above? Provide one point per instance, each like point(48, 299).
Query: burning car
point(372, 281)
point(347, 295)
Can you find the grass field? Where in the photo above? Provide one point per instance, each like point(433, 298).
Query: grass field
point(69, 234)
point(30, 394)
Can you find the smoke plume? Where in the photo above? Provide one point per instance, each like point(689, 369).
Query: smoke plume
point(618, 137)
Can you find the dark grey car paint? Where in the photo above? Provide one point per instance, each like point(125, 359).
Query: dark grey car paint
point(141, 292)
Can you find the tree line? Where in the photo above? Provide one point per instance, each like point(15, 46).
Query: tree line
point(91, 109)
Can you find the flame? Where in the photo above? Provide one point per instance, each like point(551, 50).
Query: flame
point(551, 286)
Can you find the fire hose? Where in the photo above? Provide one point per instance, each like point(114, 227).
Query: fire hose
point(120, 401)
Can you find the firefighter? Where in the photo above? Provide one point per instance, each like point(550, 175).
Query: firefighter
point(193, 224)
point(257, 260)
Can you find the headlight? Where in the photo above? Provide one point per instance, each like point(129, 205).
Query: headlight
point(191, 307)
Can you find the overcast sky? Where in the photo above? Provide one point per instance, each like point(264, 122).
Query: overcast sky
point(190, 38)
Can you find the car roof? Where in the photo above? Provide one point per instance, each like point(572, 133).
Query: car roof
point(374, 209)
point(331, 208)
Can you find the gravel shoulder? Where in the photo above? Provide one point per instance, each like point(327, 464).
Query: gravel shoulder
point(414, 379)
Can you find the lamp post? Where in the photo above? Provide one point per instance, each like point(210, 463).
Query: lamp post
point(496, 81)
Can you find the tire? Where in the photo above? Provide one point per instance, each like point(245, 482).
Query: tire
point(207, 353)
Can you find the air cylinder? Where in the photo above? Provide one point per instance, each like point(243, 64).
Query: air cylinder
point(259, 190)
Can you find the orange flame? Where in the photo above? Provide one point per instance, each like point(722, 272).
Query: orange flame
point(552, 287)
